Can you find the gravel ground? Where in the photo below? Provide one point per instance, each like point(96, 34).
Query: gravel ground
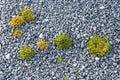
point(80, 19)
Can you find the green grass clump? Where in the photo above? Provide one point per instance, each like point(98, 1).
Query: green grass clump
point(66, 78)
point(59, 60)
point(76, 74)
point(63, 41)
point(28, 14)
point(98, 46)
point(27, 53)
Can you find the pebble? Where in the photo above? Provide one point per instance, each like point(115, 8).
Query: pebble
point(82, 44)
point(0, 46)
point(97, 58)
point(53, 73)
point(82, 67)
point(25, 63)
point(84, 34)
point(7, 56)
point(45, 20)
point(94, 28)
point(118, 40)
point(68, 62)
point(78, 36)
point(1, 72)
point(41, 36)
point(101, 7)
point(102, 25)
point(75, 64)
point(83, 18)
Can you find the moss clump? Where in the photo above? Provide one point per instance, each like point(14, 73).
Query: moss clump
point(17, 21)
point(17, 33)
point(63, 41)
point(98, 46)
point(59, 60)
point(27, 53)
point(42, 45)
point(28, 14)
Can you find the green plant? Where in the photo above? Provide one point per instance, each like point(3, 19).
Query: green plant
point(98, 46)
point(77, 74)
point(17, 33)
point(63, 41)
point(66, 78)
point(43, 45)
point(27, 53)
point(28, 14)
point(59, 60)
point(17, 21)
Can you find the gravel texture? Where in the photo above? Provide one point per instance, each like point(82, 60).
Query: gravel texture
point(80, 19)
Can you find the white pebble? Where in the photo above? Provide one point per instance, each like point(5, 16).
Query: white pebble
point(1, 72)
point(41, 36)
point(101, 7)
point(94, 28)
point(20, 3)
point(25, 63)
point(115, 71)
point(0, 46)
point(91, 37)
point(83, 67)
point(102, 25)
point(13, 16)
point(83, 18)
point(45, 20)
point(75, 64)
point(97, 58)
point(7, 56)
point(117, 40)
point(118, 51)
point(84, 34)
point(78, 36)
point(52, 73)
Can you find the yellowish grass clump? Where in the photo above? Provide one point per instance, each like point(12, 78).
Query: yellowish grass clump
point(42, 45)
point(27, 15)
point(17, 21)
point(17, 33)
